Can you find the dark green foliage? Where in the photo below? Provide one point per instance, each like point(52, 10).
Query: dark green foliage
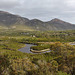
point(4, 64)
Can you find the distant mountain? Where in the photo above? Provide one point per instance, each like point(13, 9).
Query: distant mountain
point(11, 21)
point(58, 24)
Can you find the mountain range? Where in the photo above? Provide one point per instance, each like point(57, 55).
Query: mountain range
point(11, 21)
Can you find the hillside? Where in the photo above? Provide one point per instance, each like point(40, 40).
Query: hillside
point(11, 21)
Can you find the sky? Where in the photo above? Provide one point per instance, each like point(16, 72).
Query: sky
point(44, 10)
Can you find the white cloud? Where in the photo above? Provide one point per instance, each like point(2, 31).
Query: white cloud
point(41, 9)
point(8, 4)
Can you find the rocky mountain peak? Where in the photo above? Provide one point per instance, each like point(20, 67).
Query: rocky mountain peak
point(4, 12)
point(56, 20)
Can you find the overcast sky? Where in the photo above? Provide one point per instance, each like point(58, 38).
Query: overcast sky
point(44, 10)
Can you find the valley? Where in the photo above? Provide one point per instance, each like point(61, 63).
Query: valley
point(24, 63)
point(22, 42)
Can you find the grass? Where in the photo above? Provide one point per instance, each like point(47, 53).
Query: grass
point(60, 61)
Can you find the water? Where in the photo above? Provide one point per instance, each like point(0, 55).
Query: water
point(26, 49)
point(72, 43)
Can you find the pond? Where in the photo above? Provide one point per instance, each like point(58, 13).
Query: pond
point(26, 49)
point(72, 43)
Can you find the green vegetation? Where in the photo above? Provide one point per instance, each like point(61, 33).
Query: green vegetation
point(60, 61)
point(41, 47)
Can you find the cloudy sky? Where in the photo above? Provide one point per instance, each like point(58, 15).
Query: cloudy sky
point(44, 10)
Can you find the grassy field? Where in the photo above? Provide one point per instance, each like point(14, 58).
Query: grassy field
point(60, 61)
